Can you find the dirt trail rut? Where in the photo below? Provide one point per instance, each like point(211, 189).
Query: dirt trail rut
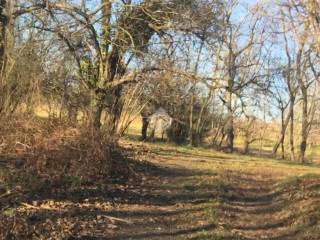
point(254, 210)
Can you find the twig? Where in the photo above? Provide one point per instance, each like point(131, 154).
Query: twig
point(55, 209)
point(118, 219)
point(6, 194)
point(43, 207)
point(23, 144)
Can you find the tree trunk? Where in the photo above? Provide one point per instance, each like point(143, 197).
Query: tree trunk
point(229, 125)
point(221, 139)
point(291, 142)
point(304, 92)
point(282, 149)
point(304, 126)
point(283, 132)
point(96, 110)
point(6, 31)
point(190, 134)
point(116, 110)
point(191, 130)
point(246, 147)
point(284, 125)
point(3, 31)
point(144, 129)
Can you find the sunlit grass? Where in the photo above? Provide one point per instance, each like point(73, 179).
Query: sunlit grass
point(211, 170)
point(263, 146)
point(206, 158)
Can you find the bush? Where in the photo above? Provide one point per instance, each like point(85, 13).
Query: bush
point(53, 153)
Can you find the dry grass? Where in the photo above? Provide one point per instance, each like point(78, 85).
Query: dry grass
point(170, 191)
point(263, 147)
point(259, 198)
point(38, 153)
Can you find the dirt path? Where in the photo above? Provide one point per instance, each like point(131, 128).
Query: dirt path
point(201, 198)
point(184, 194)
point(254, 210)
point(235, 197)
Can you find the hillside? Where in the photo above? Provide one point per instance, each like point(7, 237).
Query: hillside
point(177, 192)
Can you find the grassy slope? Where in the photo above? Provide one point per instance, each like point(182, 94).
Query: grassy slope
point(182, 193)
point(266, 146)
point(252, 198)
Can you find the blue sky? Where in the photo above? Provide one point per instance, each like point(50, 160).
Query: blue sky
point(205, 67)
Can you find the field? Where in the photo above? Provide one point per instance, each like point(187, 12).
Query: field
point(206, 194)
point(180, 192)
point(263, 147)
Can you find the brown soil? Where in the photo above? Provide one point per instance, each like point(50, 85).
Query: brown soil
point(178, 195)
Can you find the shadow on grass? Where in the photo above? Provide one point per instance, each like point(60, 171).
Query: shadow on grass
point(156, 204)
point(255, 208)
point(164, 235)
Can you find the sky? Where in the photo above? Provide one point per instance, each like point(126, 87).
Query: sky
point(206, 63)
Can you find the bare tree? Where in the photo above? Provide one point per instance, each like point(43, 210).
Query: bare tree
point(238, 61)
point(300, 69)
point(104, 59)
point(6, 32)
point(282, 104)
